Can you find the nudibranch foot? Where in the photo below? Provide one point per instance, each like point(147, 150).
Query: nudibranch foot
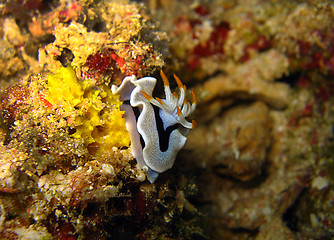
point(152, 175)
point(157, 127)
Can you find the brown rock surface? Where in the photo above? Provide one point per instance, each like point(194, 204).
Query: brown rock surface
point(234, 144)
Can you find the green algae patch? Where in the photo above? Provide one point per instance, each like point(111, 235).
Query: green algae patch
point(92, 112)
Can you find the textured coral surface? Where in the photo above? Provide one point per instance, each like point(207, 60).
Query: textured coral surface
point(259, 165)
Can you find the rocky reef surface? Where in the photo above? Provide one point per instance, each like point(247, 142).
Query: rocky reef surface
point(259, 164)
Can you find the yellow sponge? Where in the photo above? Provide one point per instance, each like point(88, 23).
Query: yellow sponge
point(93, 111)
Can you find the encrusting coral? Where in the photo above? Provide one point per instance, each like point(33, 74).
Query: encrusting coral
point(113, 50)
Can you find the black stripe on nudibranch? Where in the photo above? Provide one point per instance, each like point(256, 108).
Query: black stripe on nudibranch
point(164, 135)
point(126, 102)
point(137, 113)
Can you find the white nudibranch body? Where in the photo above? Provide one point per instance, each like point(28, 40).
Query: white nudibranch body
point(157, 127)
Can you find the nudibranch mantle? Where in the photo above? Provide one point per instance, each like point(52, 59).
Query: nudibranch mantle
point(157, 127)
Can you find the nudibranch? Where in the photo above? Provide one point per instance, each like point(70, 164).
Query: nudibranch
point(157, 127)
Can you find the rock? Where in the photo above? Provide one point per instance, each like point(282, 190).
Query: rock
point(251, 81)
point(276, 229)
point(234, 144)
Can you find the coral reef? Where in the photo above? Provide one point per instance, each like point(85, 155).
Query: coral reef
point(259, 164)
